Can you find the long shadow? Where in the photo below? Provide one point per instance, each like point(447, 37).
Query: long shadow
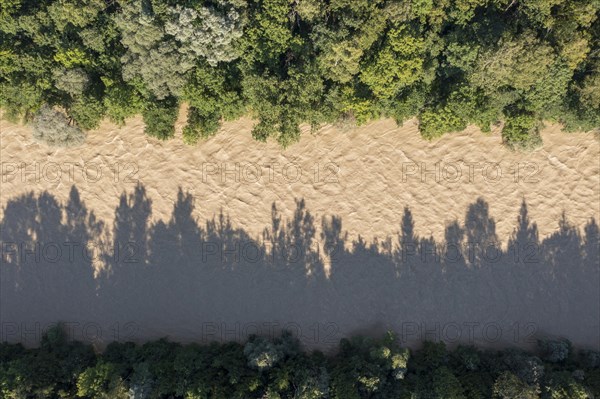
point(46, 274)
point(203, 281)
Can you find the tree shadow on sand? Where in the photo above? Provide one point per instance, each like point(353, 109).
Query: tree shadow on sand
point(212, 281)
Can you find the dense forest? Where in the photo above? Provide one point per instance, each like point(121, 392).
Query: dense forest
point(66, 64)
point(280, 368)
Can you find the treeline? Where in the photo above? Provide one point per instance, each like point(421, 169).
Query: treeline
point(280, 368)
point(66, 64)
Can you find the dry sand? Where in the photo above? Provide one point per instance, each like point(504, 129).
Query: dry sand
point(366, 176)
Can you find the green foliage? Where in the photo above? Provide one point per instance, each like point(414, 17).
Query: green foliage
point(72, 57)
point(199, 126)
point(360, 368)
point(366, 366)
point(212, 95)
point(397, 65)
point(20, 101)
point(73, 81)
point(268, 34)
point(449, 62)
point(160, 117)
point(122, 101)
point(473, 106)
point(562, 385)
point(526, 367)
point(101, 382)
point(406, 105)
point(521, 132)
point(261, 353)
point(150, 54)
point(446, 385)
point(87, 112)
point(78, 13)
point(344, 43)
point(206, 32)
point(437, 121)
point(281, 105)
point(514, 63)
point(509, 386)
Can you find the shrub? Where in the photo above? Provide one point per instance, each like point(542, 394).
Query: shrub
point(434, 123)
point(53, 128)
point(160, 117)
point(200, 126)
point(87, 112)
point(555, 351)
point(521, 132)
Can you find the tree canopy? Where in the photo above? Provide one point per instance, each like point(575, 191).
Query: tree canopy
point(279, 367)
point(449, 63)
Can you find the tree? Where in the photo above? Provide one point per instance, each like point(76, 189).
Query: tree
point(446, 385)
point(206, 32)
point(555, 350)
point(150, 55)
point(101, 382)
point(73, 81)
point(398, 64)
point(509, 386)
point(342, 45)
point(562, 385)
point(526, 367)
point(261, 353)
point(513, 63)
point(77, 13)
point(213, 94)
point(282, 104)
point(449, 62)
point(268, 34)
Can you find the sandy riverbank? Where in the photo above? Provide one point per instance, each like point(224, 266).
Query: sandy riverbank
point(367, 177)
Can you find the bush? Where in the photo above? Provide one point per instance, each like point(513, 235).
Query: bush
point(87, 112)
point(200, 126)
point(53, 128)
point(434, 123)
point(555, 351)
point(160, 117)
point(521, 132)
